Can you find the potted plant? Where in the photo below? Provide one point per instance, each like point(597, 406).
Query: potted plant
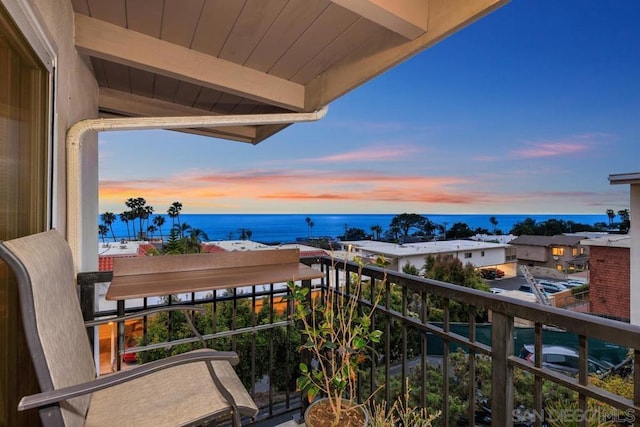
point(338, 335)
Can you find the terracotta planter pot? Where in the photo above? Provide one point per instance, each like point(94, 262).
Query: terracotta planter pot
point(319, 414)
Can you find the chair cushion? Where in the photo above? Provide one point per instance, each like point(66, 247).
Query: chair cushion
point(60, 333)
point(176, 396)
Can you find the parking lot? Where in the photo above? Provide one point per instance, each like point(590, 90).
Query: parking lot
point(508, 283)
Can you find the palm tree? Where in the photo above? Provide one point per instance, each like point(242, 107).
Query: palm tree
point(151, 229)
point(625, 222)
point(308, 219)
point(493, 222)
point(612, 215)
point(158, 221)
point(192, 243)
point(376, 230)
point(124, 217)
point(108, 218)
point(182, 229)
point(173, 213)
point(145, 213)
point(177, 206)
point(102, 230)
point(245, 233)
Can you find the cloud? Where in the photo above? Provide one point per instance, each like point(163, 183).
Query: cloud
point(221, 188)
point(565, 146)
point(299, 190)
point(550, 150)
point(373, 153)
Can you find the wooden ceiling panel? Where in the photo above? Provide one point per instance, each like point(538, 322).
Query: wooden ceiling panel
point(98, 71)
point(165, 88)
point(294, 20)
point(218, 17)
point(254, 21)
point(246, 106)
point(142, 82)
point(186, 94)
point(145, 16)
point(180, 20)
point(226, 103)
point(329, 25)
point(117, 76)
point(117, 102)
point(207, 98)
point(112, 11)
point(360, 33)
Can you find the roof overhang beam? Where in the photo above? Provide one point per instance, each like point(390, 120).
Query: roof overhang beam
point(624, 178)
point(445, 18)
point(409, 18)
point(118, 102)
point(110, 42)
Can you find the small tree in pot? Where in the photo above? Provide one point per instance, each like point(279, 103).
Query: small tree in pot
point(338, 334)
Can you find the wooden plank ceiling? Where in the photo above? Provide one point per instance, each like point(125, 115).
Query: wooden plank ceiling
point(212, 57)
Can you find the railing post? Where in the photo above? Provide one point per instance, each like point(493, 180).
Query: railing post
point(86, 294)
point(305, 356)
point(501, 370)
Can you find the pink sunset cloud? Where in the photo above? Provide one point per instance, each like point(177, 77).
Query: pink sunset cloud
point(369, 154)
point(571, 145)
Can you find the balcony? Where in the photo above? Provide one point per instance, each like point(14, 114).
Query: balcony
point(476, 365)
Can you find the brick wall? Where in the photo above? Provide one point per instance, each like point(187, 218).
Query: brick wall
point(610, 280)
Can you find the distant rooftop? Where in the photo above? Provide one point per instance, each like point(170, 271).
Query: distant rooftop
point(421, 248)
point(613, 240)
point(546, 241)
point(250, 245)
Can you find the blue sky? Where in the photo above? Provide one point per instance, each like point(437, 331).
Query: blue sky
point(527, 110)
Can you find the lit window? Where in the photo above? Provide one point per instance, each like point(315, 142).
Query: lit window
point(574, 251)
point(559, 267)
point(557, 251)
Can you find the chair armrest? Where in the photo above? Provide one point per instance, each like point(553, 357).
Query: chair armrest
point(54, 396)
point(143, 313)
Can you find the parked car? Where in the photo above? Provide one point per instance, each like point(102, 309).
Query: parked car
point(491, 273)
point(573, 283)
point(527, 288)
point(563, 359)
point(497, 290)
point(552, 287)
point(488, 274)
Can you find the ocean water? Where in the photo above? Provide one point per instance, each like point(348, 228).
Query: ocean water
point(284, 228)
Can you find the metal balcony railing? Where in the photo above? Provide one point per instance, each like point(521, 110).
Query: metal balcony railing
point(470, 369)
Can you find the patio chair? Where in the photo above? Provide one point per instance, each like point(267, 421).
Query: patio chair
point(187, 389)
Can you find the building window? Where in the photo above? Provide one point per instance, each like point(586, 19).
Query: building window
point(557, 251)
point(582, 251)
point(559, 267)
point(481, 253)
point(574, 251)
point(24, 194)
point(467, 254)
